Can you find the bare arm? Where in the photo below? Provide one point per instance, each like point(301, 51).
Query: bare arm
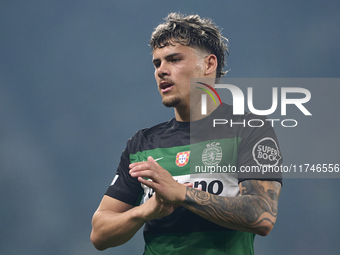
point(254, 211)
point(116, 222)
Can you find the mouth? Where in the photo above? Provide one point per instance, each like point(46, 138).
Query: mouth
point(165, 86)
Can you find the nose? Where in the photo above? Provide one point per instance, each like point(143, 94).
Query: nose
point(162, 70)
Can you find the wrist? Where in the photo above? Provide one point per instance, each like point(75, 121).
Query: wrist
point(182, 194)
point(139, 214)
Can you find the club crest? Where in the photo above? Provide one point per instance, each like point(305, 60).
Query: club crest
point(212, 155)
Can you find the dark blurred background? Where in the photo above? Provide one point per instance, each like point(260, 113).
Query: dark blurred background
point(76, 81)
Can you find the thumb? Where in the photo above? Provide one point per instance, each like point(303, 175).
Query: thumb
point(152, 161)
point(157, 197)
point(189, 184)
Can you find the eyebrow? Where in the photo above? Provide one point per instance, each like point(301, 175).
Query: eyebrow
point(168, 56)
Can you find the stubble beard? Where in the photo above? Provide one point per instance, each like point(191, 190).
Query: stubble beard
point(173, 102)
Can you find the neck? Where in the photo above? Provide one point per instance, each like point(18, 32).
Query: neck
point(183, 114)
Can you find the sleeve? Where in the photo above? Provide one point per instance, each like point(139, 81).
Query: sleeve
point(124, 187)
point(259, 155)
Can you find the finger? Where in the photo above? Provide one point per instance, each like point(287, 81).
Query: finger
point(148, 183)
point(152, 162)
point(149, 159)
point(189, 184)
point(145, 174)
point(137, 163)
point(149, 164)
point(157, 197)
point(139, 166)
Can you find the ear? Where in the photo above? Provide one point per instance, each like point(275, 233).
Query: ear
point(210, 64)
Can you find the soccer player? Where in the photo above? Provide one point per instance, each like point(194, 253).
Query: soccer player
point(185, 212)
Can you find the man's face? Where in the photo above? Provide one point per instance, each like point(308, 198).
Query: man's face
point(174, 66)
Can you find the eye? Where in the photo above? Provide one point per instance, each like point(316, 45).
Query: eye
point(175, 59)
point(156, 64)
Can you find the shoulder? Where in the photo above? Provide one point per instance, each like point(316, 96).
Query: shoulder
point(154, 130)
point(147, 136)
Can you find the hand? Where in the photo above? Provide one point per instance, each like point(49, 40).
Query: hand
point(160, 181)
point(156, 207)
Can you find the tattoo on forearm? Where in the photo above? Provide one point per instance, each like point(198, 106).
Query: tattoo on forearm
point(258, 203)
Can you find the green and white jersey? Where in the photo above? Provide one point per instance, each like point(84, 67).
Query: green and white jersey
point(213, 159)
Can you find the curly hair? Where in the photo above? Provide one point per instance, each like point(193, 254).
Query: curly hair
point(192, 31)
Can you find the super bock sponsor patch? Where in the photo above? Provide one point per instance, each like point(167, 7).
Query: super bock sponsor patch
point(266, 152)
